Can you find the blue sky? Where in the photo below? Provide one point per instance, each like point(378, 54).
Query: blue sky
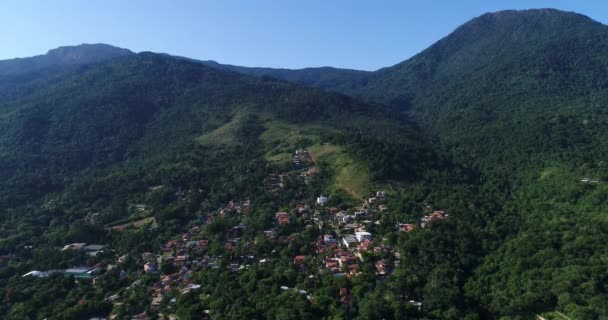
point(282, 33)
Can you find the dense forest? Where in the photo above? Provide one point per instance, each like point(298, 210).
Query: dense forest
point(472, 175)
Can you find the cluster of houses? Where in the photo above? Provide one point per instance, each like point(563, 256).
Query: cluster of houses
point(300, 157)
point(274, 184)
point(346, 242)
point(436, 215)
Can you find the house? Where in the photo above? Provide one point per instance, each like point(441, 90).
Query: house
point(93, 249)
point(140, 207)
point(41, 274)
point(299, 259)
point(437, 215)
point(363, 235)
point(350, 240)
point(150, 267)
point(382, 208)
point(82, 272)
point(365, 244)
point(348, 219)
point(380, 195)
point(74, 247)
point(302, 209)
point(406, 227)
point(382, 267)
point(350, 226)
point(322, 200)
point(282, 218)
point(332, 264)
point(270, 234)
point(361, 213)
point(180, 260)
point(329, 239)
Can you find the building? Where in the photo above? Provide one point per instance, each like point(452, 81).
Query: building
point(150, 267)
point(350, 241)
point(82, 272)
point(406, 227)
point(74, 247)
point(93, 249)
point(437, 215)
point(363, 235)
point(282, 218)
point(329, 239)
point(41, 274)
point(322, 200)
point(380, 195)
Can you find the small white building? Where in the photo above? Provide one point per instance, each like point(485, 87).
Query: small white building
point(349, 241)
point(363, 235)
point(322, 200)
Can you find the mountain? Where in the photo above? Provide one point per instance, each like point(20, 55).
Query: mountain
point(101, 114)
point(519, 96)
point(501, 123)
point(335, 79)
point(62, 56)
point(132, 151)
point(537, 74)
point(21, 76)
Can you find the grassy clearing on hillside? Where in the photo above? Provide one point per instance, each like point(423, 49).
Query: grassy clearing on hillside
point(282, 139)
point(350, 176)
point(224, 135)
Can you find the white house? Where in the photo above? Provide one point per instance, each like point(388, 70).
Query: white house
point(322, 200)
point(363, 235)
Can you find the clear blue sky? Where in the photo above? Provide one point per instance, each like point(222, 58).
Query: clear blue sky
point(280, 33)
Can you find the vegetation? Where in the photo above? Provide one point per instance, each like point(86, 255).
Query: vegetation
point(501, 123)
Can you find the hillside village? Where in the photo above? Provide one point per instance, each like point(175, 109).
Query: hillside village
point(346, 245)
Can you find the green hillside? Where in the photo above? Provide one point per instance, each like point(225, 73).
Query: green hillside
point(477, 167)
point(519, 96)
point(131, 151)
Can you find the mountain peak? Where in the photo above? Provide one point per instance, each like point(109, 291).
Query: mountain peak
point(544, 20)
point(62, 56)
point(86, 53)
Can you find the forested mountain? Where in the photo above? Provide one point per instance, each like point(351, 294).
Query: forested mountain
point(501, 124)
point(22, 76)
point(520, 96)
point(142, 106)
point(334, 79)
point(89, 142)
point(538, 75)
